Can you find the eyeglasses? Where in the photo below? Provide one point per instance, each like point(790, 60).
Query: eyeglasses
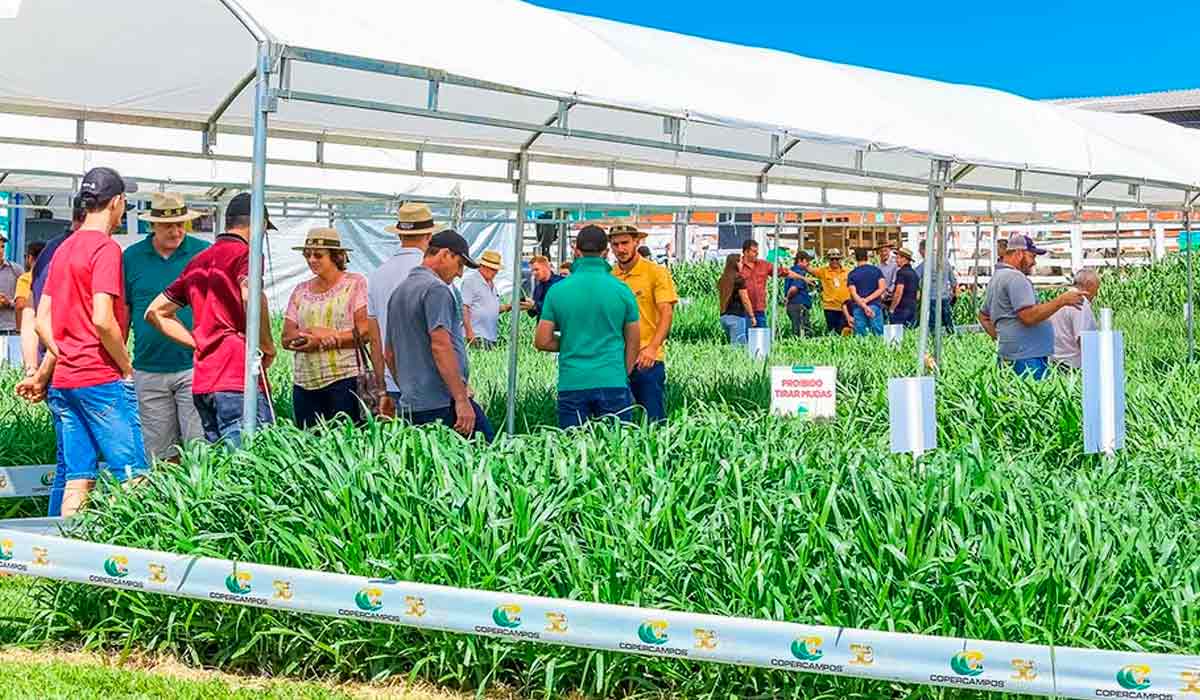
point(317, 254)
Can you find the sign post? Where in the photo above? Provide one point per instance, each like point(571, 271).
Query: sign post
point(912, 414)
point(1103, 388)
point(805, 391)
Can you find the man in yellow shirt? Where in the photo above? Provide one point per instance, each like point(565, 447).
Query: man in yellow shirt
point(835, 290)
point(656, 297)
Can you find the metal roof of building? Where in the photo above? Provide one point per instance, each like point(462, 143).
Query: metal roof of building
point(1142, 103)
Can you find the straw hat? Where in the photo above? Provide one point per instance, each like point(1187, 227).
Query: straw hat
point(491, 260)
point(414, 219)
point(169, 208)
point(833, 254)
point(323, 239)
point(626, 230)
point(905, 253)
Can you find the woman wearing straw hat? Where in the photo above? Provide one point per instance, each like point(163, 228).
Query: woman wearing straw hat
point(324, 324)
point(481, 302)
point(162, 369)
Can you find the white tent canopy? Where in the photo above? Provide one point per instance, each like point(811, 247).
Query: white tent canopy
point(510, 92)
point(629, 96)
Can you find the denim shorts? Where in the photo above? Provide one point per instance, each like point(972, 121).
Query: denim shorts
point(100, 423)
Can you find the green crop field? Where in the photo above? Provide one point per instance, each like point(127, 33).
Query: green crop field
point(1007, 531)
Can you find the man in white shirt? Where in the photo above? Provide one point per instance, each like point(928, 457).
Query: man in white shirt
point(481, 303)
point(415, 227)
point(1071, 322)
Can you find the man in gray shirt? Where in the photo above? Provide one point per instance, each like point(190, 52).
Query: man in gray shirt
point(949, 293)
point(1071, 323)
point(424, 332)
point(481, 304)
point(1012, 315)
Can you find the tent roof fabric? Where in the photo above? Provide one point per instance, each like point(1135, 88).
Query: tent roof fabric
point(184, 63)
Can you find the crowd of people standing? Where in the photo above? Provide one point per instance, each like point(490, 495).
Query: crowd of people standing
point(393, 342)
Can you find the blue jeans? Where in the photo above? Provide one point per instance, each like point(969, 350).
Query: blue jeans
point(904, 317)
point(760, 318)
point(648, 387)
point(310, 406)
point(447, 417)
point(59, 485)
point(862, 323)
point(99, 423)
point(581, 405)
point(1035, 367)
point(736, 328)
point(221, 415)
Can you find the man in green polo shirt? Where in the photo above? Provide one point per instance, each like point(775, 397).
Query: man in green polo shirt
point(162, 370)
point(596, 318)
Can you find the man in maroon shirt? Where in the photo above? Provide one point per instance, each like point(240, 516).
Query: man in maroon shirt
point(83, 320)
point(756, 272)
point(215, 285)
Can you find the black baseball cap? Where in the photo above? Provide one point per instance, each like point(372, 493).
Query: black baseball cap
point(240, 206)
point(451, 241)
point(591, 239)
point(102, 184)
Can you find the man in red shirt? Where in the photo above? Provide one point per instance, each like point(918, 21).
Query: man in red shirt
point(756, 272)
point(84, 321)
point(215, 285)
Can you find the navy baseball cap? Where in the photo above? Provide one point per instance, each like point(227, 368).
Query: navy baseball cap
point(240, 206)
point(1020, 241)
point(450, 240)
point(102, 184)
point(591, 239)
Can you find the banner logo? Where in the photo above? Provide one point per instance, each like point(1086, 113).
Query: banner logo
point(967, 663)
point(41, 556)
point(556, 623)
point(652, 639)
point(47, 479)
point(158, 573)
point(807, 649)
point(862, 655)
point(1134, 677)
point(706, 640)
point(507, 616)
point(117, 566)
point(238, 582)
point(1024, 670)
point(3, 481)
point(415, 606)
point(653, 632)
point(283, 590)
point(369, 599)
point(6, 555)
point(1191, 682)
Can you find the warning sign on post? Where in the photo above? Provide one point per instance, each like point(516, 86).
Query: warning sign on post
point(801, 390)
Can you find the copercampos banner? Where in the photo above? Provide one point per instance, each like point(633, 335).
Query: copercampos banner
point(23, 482)
point(785, 646)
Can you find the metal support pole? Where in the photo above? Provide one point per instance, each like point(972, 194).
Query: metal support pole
point(1117, 233)
point(975, 270)
point(939, 170)
point(939, 288)
point(1191, 281)
point(258, 224)
point(514, 334)
point(774, 281)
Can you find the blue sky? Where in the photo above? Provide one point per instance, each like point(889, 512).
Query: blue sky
point(1047, 48)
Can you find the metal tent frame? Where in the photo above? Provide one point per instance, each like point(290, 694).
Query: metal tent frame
point(762, 171)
